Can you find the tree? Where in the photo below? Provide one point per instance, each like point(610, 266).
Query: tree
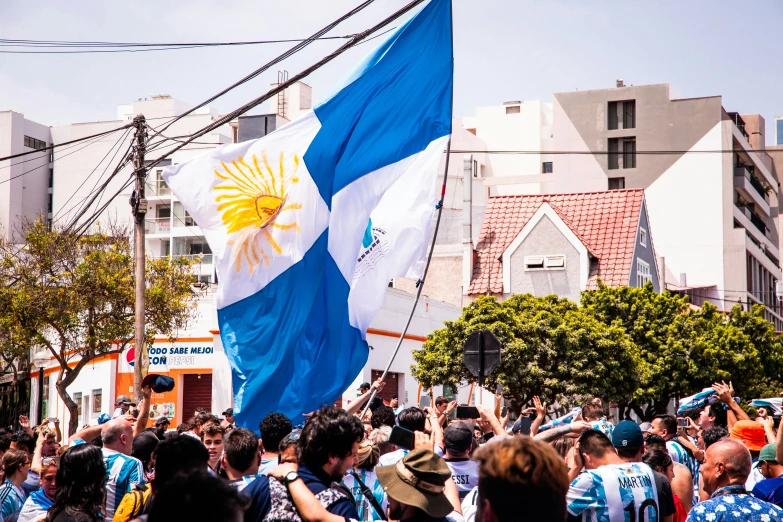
point(550, 347)
point(654, 322)
point(683, 350)
point(74, 296)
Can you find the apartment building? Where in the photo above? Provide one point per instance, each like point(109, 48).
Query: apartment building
point(711, 188)
point(25, 182)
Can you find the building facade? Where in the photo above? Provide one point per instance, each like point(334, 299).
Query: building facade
point(712, 190)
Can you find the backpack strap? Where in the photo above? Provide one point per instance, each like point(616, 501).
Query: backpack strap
point(369, 496)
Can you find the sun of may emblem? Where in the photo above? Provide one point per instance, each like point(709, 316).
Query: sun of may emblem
point(250, 200)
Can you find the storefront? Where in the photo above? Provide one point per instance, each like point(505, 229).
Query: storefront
point(199, 367)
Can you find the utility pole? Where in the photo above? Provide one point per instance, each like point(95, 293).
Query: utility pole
point(139, 204)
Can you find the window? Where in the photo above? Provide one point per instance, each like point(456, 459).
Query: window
point(553, 262)
point(51, 203)
point(97, 398)
point(534, 262)
point(546, 167)
point(614, 156)
point(629, 153)
point(629, 114)
point(51, 178)
point(77, 398)
point(642, 273)
point(612, 113)
point(34, 143)
point(476, 169)
point(642, 237)
point(616, 183)
point(513, 109)
point(624, 111)
point(628, 146)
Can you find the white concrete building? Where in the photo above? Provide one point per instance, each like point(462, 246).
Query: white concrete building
point(25, 181)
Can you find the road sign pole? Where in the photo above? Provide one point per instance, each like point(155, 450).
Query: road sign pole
point(481, 368)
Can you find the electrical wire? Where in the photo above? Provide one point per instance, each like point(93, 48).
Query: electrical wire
point(593, 152)
point(53, 146)
point(293, 50)
point(95, 140)
point(280, 87)
point(119, 47)
point(81, 229)
point(124, 157)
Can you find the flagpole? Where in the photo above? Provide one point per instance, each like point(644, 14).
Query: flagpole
point(420, 282)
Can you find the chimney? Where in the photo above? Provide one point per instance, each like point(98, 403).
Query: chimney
point(620, 82)
point(467, 221)
point(683, 280)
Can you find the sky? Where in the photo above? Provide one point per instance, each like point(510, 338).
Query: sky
point(504, 50)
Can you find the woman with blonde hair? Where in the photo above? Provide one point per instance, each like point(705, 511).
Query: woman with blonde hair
point(364, 485)
point(39, 501)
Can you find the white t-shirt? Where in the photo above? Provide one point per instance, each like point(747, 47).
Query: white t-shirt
point(392, 458)
point(470, 505)
point(267, 465)
point(464, 472)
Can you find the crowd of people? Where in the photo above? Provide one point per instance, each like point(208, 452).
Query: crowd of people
point(380, 461)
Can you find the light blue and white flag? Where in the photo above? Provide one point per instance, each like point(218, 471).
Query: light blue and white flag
point(309, 223)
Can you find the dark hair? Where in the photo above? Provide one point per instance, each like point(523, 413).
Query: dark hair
point(383, 416)
point(669, 422)
point(185, 426)
point(240, 446)
point(330, 432)
point(80, 479)
point(5, 442)
point(713, 435)
point(13, 459)
point(441, 400)
point(412, 419)
point(202, 418)
point(627, 452)
point(592, 411)
point(274, 427)
point(657, 460)
point(521, 471)
point(143, 447)
point(24, 440)
point(719, 413)
point(653, 442)
point(292, 439)
point(594, 443)
point(212, 430)
point(197, 496)
point(179, 453)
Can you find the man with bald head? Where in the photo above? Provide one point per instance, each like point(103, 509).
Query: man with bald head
point(725, 469)
point(123, 472)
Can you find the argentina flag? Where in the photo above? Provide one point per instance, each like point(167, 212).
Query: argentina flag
point(309, 223)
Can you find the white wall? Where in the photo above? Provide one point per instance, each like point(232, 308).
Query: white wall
point(695, 249)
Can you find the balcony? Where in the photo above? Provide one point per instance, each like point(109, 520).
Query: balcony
point(206, 259)
point(754, 225)
point(157, 225)
point(750, 188)
point(739, 122)
point(159, 187)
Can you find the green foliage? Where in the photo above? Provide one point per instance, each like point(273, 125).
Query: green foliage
point(630, 346)
point(74, 296)
point(550, 348)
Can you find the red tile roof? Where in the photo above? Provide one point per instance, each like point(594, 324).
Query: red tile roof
point(606, 222)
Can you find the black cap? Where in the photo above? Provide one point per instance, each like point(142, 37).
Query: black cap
point(158, 383)
point(364, 386)
point(458, 437)
point(229, 411)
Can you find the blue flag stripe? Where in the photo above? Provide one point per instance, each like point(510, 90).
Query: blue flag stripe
point(400, 104)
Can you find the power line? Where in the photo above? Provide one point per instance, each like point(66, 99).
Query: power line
point(280, 87)
point(295, 49)
point(119, 47)
point(47, 164)
point(592, 152)
point(53, 146)
point(124, 157)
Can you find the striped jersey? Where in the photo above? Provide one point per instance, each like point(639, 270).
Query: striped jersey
point(615, 493)
point(604, 426)
point(363, 506)
point(242, 483)
point(679, 454)
point(11, 499)
point(122, 473)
